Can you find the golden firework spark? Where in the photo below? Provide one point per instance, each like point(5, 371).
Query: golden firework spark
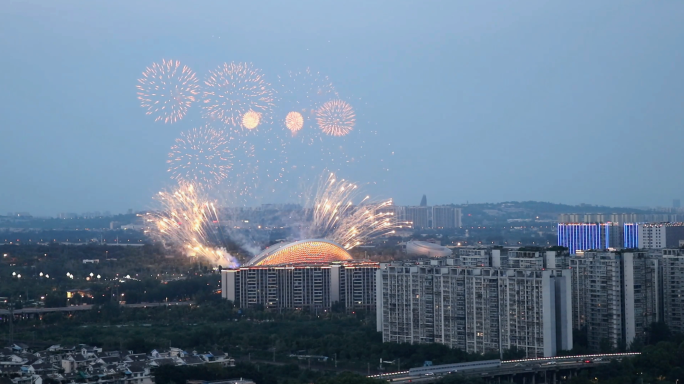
point(251, 119)
point(336, 217)
point(233, 89)
point(336, 118)
point(201, 154)
point(304, 92)
point(294, 121)
point(167, 90)
point(188, 220)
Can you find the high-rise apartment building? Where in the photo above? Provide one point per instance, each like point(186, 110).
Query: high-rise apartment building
point(418, 216)
point(630, 233)
point(583, 236)
point(476, 309)
point(673, 289)
point(599, 235)
point(312, 287)
point(477, 257)
point(615, 296)
point(660, 235)
point(444, 216)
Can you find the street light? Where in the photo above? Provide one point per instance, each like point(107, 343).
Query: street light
point(41, 274)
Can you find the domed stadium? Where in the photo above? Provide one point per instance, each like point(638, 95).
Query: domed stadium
point(423, 248)
point(301, 252)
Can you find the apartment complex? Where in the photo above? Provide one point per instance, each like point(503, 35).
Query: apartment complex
point(615, 296)
point(673, 289)
point(417, 215)
point(444, 216)
point(584, 236)
point(307, 287)
point(619, 218)
point(660, 235)
point(476, 309)
point(436, 217)
point(478, 257)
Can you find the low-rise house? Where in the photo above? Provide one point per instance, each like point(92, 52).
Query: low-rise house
point(192, 360)
point(138, 374)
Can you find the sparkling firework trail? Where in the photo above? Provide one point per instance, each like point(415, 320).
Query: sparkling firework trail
point(187, 219)
point(336, 118)
point(336, 217)
point(201, 155)
point(167, 90)
point(233, 89)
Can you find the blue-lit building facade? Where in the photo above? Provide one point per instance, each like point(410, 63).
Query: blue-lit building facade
point(583, 236)
point(631, 235)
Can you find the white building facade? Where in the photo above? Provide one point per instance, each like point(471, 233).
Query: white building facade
point(476, 309)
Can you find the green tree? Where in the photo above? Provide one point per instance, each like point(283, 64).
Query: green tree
point(458, 379)
point(349, 378)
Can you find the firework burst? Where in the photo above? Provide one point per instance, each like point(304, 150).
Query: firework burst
point(233, 89)
point(167, 90)
point(189, 220)
point(200, 155)
point(336, 118)
point(301, 95)
point(251, 119)
point(294, 121)
point(336, 217)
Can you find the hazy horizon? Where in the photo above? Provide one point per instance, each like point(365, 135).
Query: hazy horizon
point(462, 101)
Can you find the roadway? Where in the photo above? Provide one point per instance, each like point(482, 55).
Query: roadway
point(30, 311)
point(548, 368)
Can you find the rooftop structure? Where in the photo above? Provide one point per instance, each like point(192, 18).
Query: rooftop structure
point(424, 248)
point(302, 251)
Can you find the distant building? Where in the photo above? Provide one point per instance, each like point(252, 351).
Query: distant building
point(418, 216)
point(630, 235)
point(660, 235)
point(423, 201)
point(447, 217)
point(134, 227)
point(619, 218)
point(281, 207)
point(676, 203)
point(19, 215)
point(424, 248)
point(584, 236)
point(305, 287)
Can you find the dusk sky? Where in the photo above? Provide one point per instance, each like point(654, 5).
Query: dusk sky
point(568, 102)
